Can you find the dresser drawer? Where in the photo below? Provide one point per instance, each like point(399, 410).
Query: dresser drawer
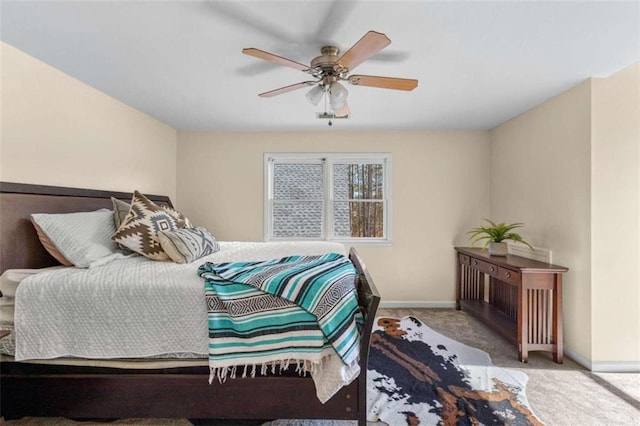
point(485, 267)
point(464, 259)
point(508, 276)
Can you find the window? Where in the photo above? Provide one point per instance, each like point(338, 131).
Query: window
point(327, 197)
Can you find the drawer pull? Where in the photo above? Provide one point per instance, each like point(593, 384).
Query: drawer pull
point(507, 274)
point(475, 262)
point(492, 269)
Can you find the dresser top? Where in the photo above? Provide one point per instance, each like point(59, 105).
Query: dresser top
point(511, 261)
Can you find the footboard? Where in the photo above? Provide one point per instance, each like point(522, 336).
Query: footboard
point(368, 299)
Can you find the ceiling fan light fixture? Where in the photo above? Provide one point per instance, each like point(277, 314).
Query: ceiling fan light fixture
point(315, 95)
point(337, 95)
point(328, 69)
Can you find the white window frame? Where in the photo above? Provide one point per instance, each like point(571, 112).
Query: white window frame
point(328, 159)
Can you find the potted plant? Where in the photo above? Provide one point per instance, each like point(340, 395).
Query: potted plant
point(494, 236)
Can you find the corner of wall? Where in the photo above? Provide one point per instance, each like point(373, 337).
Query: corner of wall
point(540, 174)
point(615, 198)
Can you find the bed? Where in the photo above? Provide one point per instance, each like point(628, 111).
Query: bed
point(97, 391)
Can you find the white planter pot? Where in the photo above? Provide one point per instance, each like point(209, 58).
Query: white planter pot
point(497, 249)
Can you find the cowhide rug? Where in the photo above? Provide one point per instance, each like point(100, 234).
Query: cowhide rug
point(417, 376)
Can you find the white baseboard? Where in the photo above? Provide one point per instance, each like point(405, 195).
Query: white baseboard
point(604, 367)
point(577, 358)
point(416, 304)
point(616, 367)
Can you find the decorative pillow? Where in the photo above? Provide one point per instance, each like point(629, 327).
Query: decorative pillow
point(187, 245)
point(79, 238)
point(120, 211)
point(139, 230)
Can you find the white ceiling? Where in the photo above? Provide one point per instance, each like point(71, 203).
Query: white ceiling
point(478, 63)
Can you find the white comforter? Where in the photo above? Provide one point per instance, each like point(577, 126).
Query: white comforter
point(129, 308)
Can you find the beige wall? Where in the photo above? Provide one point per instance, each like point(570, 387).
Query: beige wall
point(440, 190)
point(569, 169)
point(57, 130)
point(540, 166)
point(615, 226)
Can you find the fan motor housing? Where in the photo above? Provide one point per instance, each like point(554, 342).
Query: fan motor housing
point(328, 61)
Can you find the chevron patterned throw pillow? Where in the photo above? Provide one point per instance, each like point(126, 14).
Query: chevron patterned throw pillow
point(139, 229)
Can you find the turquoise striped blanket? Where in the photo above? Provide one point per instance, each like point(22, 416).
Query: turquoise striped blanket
point(268, 314)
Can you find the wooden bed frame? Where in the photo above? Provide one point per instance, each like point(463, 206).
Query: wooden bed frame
point(40, 390)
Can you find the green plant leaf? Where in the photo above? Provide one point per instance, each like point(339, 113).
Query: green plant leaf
point(496, 232)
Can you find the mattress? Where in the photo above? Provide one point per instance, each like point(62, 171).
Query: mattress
point(129, 308)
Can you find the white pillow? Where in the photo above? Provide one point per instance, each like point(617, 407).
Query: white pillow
point(83, 237)
point(7, 311)
point(9, 281)
point(11, 278)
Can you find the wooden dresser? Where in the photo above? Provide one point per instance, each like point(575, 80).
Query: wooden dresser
point(518, 297)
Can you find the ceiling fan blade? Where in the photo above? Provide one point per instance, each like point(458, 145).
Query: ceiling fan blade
point(394, 56)
point(342, 112)
point(246, 16)
point(286, 89)
point(261, 54)
point(256, 68)
point(338, 12)
point(383, 82)
point(370, 44)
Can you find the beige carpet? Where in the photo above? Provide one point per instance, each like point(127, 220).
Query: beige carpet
point(559, 394)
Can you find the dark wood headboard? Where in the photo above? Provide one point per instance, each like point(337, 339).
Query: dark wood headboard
point(19, 244)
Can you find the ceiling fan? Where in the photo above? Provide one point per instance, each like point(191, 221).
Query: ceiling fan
point(329, 69)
